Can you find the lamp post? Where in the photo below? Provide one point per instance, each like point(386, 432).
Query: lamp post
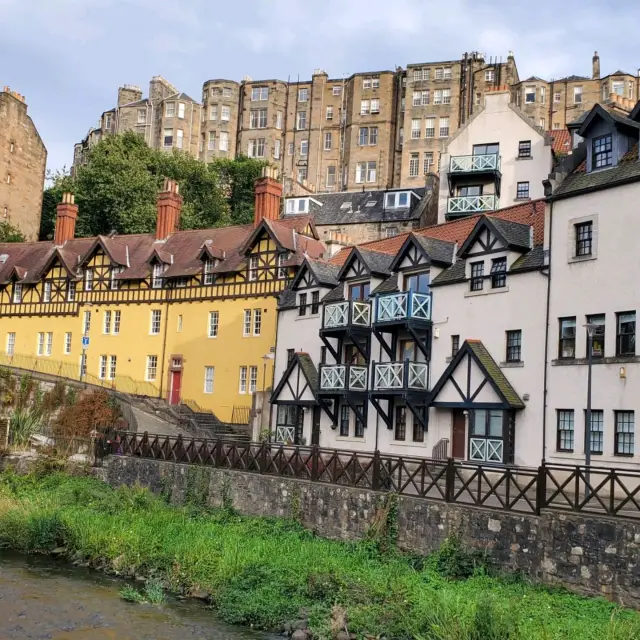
point(591, 328)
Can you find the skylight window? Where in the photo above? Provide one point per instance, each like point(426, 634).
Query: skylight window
point(371, 203)
point(345, 205)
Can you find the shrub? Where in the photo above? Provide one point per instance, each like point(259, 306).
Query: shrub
point(452, 561)
point(23, 424)
point(94, 411)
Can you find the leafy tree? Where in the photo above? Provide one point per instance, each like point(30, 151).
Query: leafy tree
point(9, 233)
point(117, 189)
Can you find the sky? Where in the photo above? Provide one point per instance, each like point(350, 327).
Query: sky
point(68, 57)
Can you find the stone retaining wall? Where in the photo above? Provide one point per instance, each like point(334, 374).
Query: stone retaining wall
point(587, 554)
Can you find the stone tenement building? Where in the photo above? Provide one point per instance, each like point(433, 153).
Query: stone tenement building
point(168, 119)
point(375, 130)
point(23, 159)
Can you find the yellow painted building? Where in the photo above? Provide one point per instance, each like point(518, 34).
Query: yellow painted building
point(182, 315)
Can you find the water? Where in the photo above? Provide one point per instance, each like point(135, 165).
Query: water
point(41, 598)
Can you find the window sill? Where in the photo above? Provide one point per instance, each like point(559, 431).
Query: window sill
point(485, 292)
point(574, 259)
point(565, 362)
point(404, 443)
point(350, 439)
point(511, 365)
point(309, 316)
point(522, 199)
point(520, 158)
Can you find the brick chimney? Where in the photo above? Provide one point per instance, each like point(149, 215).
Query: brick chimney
point(268, 190)
point(66, 216)
point(595, 66)
point(169, 207)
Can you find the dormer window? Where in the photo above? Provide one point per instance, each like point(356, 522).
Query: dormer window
point(71, 291)
point(298, 205)
point(17, 293)
point(156, 280)
point(499, 273)
point(282, 271)
point(208, 271)
point(396, 200)
point(602, 152)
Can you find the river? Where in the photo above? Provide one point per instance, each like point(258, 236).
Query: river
point(41, 598)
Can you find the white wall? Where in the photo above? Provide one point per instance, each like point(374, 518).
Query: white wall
point(608, 284)
point(498, 122)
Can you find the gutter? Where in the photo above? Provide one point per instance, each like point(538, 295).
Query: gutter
point(545, 389)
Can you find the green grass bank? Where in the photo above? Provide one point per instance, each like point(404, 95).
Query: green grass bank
point(262, 572)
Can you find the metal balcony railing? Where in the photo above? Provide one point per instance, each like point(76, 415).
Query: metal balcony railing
point(343, 377)
point(400, 376)
point(403, 306)
point(465, 205)
point(474, 164)
point(349, 313)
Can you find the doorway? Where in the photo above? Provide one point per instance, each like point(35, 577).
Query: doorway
point(315, 426)
point(459, 434)
point(176, 386)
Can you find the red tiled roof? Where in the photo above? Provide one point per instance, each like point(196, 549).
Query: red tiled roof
point(530, 213)
point(561, 141)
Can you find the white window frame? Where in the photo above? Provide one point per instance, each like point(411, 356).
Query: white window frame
point(179, 138)
point(213, 325)
point(115, 272)
point(155, 322)
point(246, 323)
point(446, 96)
point(106, 323)
point(181, 110)
point(71, 290)
point(257, 322)
point(336, 90)
point(416, 125)
point(86, 323)
point(437, 96)
point(209, 266)
point(301, 120)
point(113, 364)
point(258, 94)
point(11, 343)
point(489, 75)
point(414, 166)
point(366, 83)
point(375, 105)
point(170, 110)
point(328, 140)
point(225, 113)
point(365, 107)
point(142, 116)
point(102, 367)
point(49, 347)
point(258, 118)
point(577, 91)
point(282, 271)
point(253, 268)
point(151, 372)
point(242, 386)
point(303, 94)
point(277, 149)
point(329, 113)
point(46, 292)
point(429, 131)
point(278, 119)
point(68, 340)
point(88, 279)
point(117, 317)
point(167, 137)
point(253, 379)
point(209, 377)
point(445, 129)
point(213, 112)
point(331, 173)
point(211, 141)
point(40, 344)
point(156, 275)
point(304, 147)
point(223, 143)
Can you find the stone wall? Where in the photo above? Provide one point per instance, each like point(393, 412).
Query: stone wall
point(589, 555)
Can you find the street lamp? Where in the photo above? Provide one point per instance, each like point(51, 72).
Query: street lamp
point(591, 329)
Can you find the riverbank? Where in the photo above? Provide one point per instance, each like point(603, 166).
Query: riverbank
point(267, 572)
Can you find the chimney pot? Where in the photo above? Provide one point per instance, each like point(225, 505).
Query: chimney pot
point(66, 216)
point(169, 207)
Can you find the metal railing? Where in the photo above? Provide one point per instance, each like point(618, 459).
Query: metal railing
point(343, 377)
point(466, 205)
point(71, 371)
point(600, 491)
point(471, 164)
point(403, 306)
point(441, 450)
point(338, 315)
point(391, 376)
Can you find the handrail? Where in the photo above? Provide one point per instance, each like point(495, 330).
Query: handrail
point(600, 491)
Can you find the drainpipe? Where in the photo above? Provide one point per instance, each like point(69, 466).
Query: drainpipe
point(164, 344)
point(546, 342)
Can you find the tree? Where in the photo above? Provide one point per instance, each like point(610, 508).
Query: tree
point(117, 189)
point(9, 233)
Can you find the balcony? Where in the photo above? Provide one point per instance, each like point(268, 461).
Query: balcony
point(340, 378)
point(349, 314)
point(399, 377)
point(401, 307)
point(462, 206)
point(474, 165)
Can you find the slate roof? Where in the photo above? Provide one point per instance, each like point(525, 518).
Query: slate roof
point(325, 273)
point(287, 299)
point(376, 262)
point(516, 234)
point(309, 370)
point(573, 78)
point(455, 273)
point(335, 295)
point(438, 250)
point(390, 285)
point(181, 251)
point(364, 206)
point(529, 261)
point(628, 170)
point(495, 373)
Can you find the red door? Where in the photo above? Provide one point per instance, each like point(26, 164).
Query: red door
point(176, 384)
point(459, 435)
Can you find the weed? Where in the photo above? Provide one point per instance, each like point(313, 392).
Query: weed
point(154, 591)
point(129, 594)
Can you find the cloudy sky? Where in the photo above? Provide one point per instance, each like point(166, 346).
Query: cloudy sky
point(69, 56)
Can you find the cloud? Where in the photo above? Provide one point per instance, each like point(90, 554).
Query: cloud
point(69, 56)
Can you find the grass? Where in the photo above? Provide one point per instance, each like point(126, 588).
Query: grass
point(261, 572)
point(153, 593)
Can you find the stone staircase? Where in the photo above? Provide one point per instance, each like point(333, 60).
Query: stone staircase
point(204, 424)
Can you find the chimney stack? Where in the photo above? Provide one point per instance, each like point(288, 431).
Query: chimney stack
point(169, 207)
point(268, 191)
point(596, 66)
point(66, 216)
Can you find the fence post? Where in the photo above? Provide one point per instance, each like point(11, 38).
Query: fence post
point(262, 460)
point(541, 489)
point(314, 462)
point(450, 483)
point(218, 458)
point(375, 476)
